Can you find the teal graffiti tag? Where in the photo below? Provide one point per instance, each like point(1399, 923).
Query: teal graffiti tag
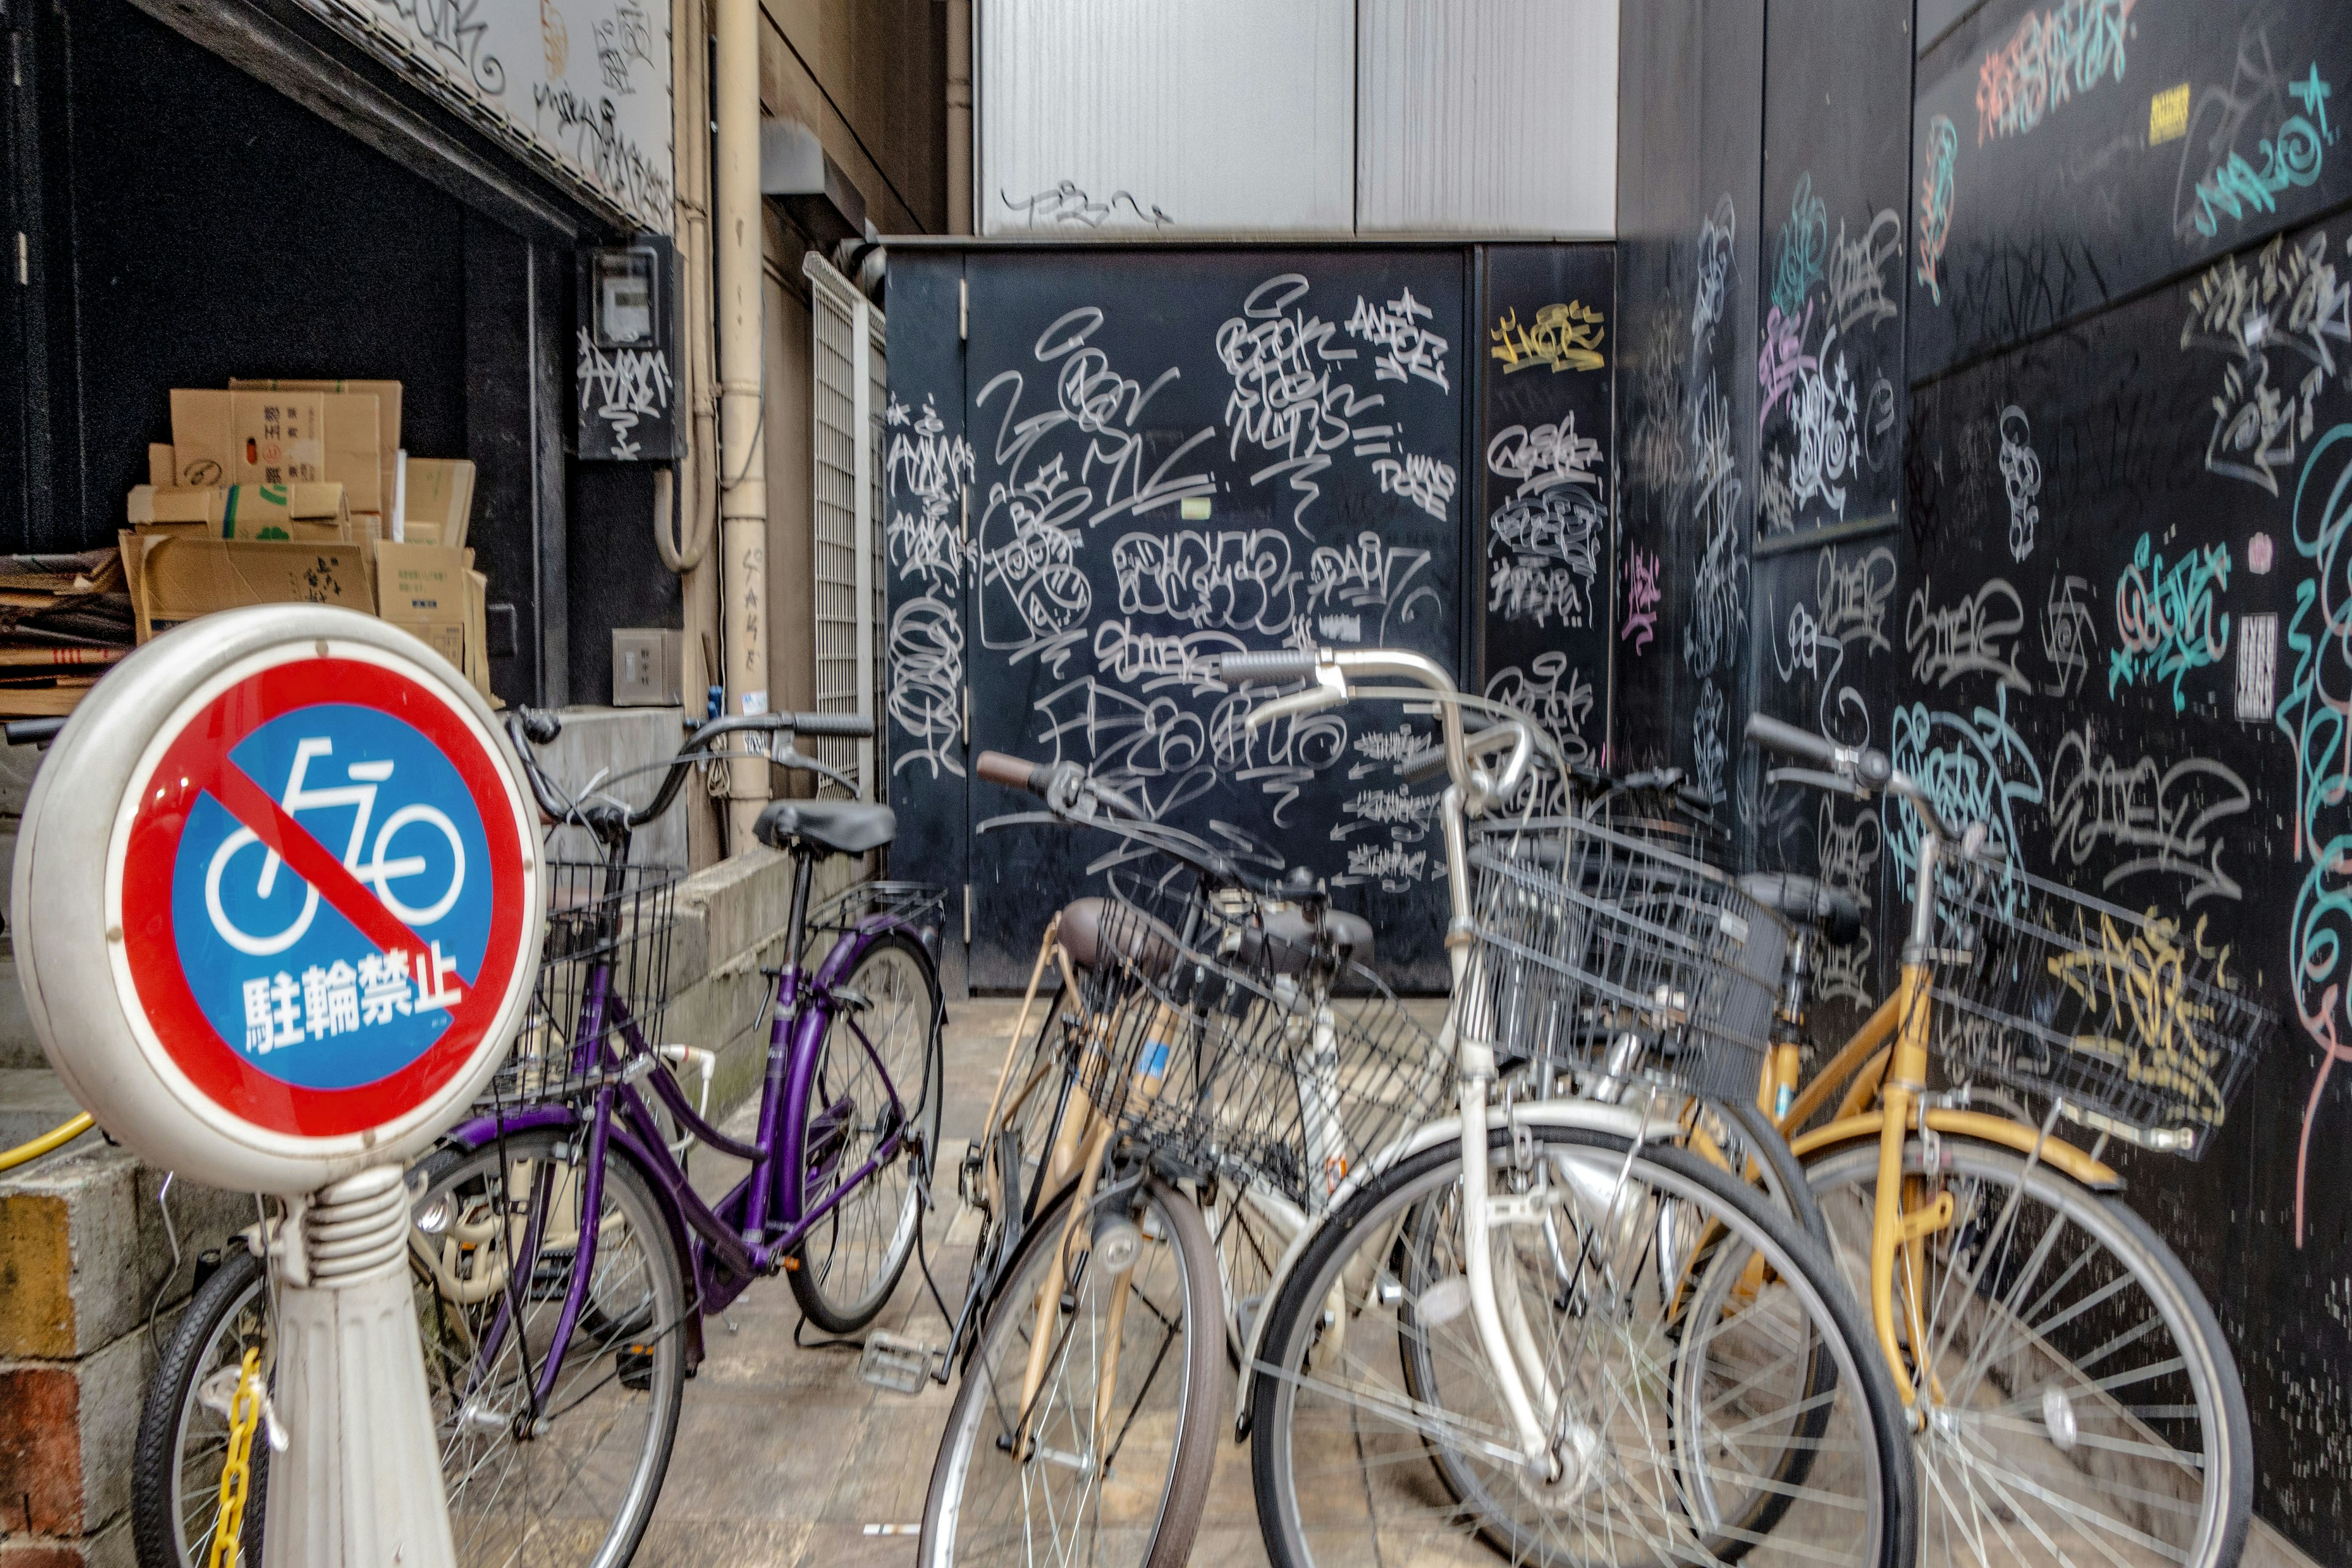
point(2316, 715)
point(2164, 617)
point(1936, 202)
point(2290, 159)
point(1805, 247)
point(1974, 769)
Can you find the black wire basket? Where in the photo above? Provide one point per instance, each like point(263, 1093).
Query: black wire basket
point(1607, 953)
point(1224, 1047)
point(2128, 1024)
point(916, 903)
point(603, 925)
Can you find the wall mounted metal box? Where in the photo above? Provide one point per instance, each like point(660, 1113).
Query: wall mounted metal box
point(648, 666)
point(624, 386)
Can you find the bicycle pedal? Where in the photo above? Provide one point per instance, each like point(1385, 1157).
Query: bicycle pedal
point(636, 1366)
point(897, 1364)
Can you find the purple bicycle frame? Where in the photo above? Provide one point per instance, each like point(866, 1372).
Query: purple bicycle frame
point(728, 1244)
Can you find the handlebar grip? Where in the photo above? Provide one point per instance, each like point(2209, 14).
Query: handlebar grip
point(33, 732)
point(539, 725)
point(1789, 740)
point(856, 726)
point(1012, 773)
point(1275, 664)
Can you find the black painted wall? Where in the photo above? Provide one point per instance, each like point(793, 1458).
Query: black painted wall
point(2090, 573)
point(187, 222)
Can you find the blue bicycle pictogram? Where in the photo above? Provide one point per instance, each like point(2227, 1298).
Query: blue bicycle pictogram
point(278, 969)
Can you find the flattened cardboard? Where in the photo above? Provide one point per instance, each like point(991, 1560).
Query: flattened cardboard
point(162, 469)
point(425, 589)
point(243, 512)
point(441, 498)
point(174, 579)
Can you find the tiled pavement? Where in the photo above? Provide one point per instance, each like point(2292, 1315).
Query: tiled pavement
point(785, 1458)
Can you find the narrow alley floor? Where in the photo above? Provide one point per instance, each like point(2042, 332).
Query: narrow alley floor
point(784, 1458)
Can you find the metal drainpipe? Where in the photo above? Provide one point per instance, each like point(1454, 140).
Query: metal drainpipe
point(744, 478)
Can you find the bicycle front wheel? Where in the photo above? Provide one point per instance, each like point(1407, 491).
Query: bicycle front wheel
point(2079, 1403)
point(877, 1074)
point(494, 1244)
point(1688, 1348)
point(1107, 1461)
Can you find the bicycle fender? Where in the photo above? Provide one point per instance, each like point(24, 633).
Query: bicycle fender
point(2054, 1150)
point(474, 1133)
point(1588, 1115)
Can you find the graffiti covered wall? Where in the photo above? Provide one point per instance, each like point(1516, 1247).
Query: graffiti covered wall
point(2089, 575)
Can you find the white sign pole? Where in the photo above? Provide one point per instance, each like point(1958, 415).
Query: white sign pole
point(360, 1482)
point(314, 939)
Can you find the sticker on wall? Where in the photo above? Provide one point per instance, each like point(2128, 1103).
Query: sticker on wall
point(2257, 667)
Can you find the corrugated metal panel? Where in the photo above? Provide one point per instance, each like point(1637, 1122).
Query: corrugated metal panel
point(834, 358)
point(1207, 117)
point(1487, 117)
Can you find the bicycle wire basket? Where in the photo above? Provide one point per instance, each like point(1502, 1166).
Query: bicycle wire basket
point(2129, 1023)
point(1223, 1047)
point(1604, 951)
point(600, 922)
point(916, 903)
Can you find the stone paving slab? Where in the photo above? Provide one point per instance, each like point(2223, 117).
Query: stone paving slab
point(785, 1458)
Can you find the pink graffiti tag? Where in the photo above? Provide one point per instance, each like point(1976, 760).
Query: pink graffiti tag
point(1784, 357)
point(1641, 597)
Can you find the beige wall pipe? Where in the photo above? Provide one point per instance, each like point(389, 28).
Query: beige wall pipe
point(743, 476)
point(691, 553)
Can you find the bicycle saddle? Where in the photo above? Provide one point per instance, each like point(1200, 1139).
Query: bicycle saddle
point(1141, 941)
point(1292, 939)
point(827, 827)
point(1839, 915)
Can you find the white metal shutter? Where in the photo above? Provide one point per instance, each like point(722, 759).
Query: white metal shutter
point(1209, 117)
point(845, 398)
point(1489, 117)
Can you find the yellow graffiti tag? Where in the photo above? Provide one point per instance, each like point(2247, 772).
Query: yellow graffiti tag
point(2146, 1015)
point(1565, 337)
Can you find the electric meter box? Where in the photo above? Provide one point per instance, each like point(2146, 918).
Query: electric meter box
point(624, 379)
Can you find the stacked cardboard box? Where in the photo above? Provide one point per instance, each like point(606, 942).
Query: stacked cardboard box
point(297, 492)
point(63, 619)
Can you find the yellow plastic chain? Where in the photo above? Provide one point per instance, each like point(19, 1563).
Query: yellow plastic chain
point(243, 1416)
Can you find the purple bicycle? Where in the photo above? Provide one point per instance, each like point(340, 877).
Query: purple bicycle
point(562, 1261)
point(571, 1258)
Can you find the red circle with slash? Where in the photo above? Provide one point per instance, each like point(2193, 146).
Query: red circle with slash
point(194, 763)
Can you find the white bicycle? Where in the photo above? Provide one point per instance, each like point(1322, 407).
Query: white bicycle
point(383, 869)
point(1542, 1327)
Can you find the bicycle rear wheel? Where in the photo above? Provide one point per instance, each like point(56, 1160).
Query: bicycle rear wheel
point(1678, 1383)
point(2082, 1405)
point(1110, 1465)
point(851, 1261)
point(182, 1443)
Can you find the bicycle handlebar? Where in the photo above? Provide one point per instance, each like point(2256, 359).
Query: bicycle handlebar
point(531, 727)
point(32, 732)
point(1859, 769)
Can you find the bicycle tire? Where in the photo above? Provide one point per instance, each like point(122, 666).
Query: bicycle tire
point(616, 1370)
point(976, 1416)
point(1993, 1178)
point(1355, 1250)
point(822, 1264)
point(164, 1464)
point(1780, 1173)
